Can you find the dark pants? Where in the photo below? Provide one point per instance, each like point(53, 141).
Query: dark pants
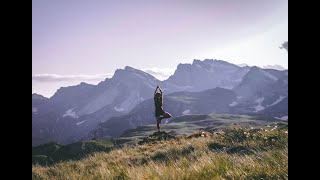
point(161, 114)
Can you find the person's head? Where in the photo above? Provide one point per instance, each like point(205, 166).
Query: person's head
point(158, 94)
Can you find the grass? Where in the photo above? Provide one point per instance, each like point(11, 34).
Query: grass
point(235, 153)
point(52, 153)
point(187, 124)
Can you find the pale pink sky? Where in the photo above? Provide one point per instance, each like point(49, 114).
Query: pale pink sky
point(81, 38)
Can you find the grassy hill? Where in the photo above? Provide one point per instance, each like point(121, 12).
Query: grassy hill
point(187, 124)
point(231, 153)
point(52, 153)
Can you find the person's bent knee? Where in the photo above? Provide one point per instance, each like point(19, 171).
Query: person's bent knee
point(167, 115)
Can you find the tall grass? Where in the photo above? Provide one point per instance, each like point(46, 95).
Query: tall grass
point(236, 154)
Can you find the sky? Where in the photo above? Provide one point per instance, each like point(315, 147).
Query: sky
point(77, 41)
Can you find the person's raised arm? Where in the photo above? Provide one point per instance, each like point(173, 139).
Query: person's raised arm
point(155, 91)
point(160, 90)
point(154, 96)
point(161, 96)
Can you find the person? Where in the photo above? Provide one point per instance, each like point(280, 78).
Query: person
point(158, 102)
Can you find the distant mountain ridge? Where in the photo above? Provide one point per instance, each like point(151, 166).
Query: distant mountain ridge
point(207, 74)
point(74, 112)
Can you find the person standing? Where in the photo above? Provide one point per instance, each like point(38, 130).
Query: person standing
point(158, 102)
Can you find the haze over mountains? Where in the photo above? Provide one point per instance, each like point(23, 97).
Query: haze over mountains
point(125, 101)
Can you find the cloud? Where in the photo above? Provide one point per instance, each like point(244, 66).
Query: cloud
point(160, 73)
point(60, 78)
point(242, 65)
point(277, 67)
point(47, 84)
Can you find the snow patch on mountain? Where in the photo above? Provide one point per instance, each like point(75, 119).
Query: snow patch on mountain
point(70, 113)
point(186, 112)
point(259, 107)
point(118, 109)
point(78, 123)
point(233, 104)
point(277, 101)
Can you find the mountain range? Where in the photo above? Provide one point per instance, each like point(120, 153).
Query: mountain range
point(125, 101)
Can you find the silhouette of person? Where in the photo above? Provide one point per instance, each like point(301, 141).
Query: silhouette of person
point(158, 102)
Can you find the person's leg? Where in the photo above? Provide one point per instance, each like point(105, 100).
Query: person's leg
point(166, 115)
point(158, 123)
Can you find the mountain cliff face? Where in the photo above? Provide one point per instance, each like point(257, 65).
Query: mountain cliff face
point(73, 111)
point(207, 74)
point(125, 100)
point(260, 89)
point(258, 80)
point(123, 91)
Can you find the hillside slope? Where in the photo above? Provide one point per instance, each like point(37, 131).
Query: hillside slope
point(234, 153)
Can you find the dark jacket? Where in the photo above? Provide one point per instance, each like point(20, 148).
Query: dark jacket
point(158, 103)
